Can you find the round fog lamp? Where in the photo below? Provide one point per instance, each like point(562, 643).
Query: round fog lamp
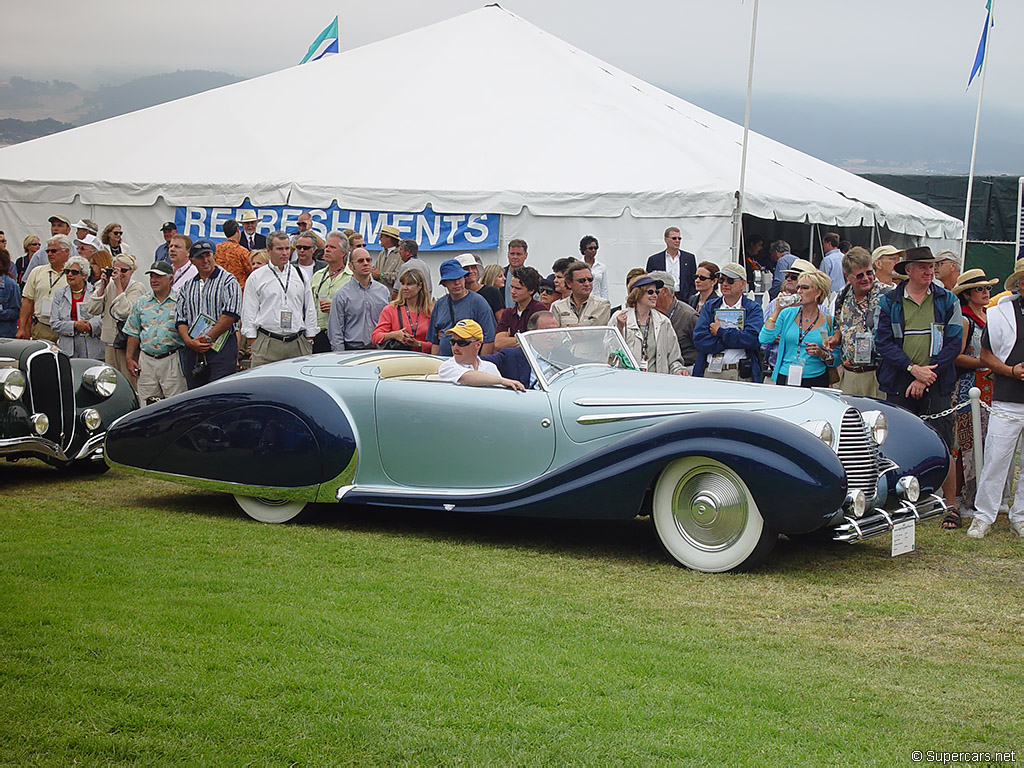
point(92, 419)
point(13, 382)
point(40, 423)
point(856, 503)
point(908, 488)
point(101, 379)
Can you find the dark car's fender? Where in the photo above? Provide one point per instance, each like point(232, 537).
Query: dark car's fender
point(796, 480)
point(911, 444)
point(261, 432)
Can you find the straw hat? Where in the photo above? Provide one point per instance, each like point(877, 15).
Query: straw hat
point(972, 278)
point(1016, 277)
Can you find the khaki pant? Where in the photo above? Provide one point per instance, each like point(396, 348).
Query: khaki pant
point(116, 358)
point(729, 374)
point(41, 330)
point(160, 378)
point(267, 350)
point(865, 384)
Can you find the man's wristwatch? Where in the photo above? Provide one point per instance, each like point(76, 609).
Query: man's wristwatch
point(910, 368)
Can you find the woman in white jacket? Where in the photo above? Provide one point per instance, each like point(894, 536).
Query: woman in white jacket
point(114, 294)
point(78, 331)
point(648, 333)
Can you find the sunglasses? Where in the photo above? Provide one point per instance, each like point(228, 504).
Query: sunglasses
point(730, 280)
point(705, 277)
point(983, 288)
point(462, 342)
point(303, 247)
point(121, 269)
point(117, 232)
point(52, 250)
point(584, 279)
point(675, 238)
point(791, 277)
point(866, 273)
point(651, 292)
point(72, 272)
point(591, 247)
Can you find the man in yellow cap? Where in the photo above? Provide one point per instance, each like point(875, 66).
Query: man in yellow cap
point(465, 366)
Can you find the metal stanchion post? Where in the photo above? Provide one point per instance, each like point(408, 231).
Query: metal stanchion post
point(975, 395)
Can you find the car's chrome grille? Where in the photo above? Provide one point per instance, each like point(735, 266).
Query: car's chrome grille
point(52, 392)
point(858, 453)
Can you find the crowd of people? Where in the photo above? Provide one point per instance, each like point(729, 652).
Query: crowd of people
point(903, 325)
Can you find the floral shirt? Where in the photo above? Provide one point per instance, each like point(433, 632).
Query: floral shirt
point(235, 259)
point(152, 322)
point(856, 317)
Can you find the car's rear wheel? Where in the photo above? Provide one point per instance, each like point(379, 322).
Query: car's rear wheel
point(270, 510)
point(706, 518)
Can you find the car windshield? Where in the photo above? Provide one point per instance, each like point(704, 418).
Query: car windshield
point(555, 351)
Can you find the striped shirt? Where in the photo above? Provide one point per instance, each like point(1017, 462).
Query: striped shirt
point(218, 295)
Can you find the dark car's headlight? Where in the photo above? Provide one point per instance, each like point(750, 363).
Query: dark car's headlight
point(12, 381)
point(821, 430)
point(878, 424)
point(101, 379)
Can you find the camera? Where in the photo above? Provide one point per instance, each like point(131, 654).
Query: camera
point(108, 271)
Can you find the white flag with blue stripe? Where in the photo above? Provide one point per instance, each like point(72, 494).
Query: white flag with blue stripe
point(326, 43)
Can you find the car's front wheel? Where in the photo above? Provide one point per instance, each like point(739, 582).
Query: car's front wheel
point(706, 518)
point(270, 510)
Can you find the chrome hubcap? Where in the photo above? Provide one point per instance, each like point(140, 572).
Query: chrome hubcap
point(709, 508)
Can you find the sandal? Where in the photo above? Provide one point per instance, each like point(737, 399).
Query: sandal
point(952, 520)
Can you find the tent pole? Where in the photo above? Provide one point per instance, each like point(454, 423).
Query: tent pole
point(977, 123)
point(746, 133)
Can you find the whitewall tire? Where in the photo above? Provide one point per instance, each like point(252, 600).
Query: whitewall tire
point(706, 518)
point(270, 510)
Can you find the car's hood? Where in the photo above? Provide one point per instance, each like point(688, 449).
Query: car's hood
point(598, 402)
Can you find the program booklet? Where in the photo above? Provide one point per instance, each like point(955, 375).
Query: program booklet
point(730, 318)
point(201, 325)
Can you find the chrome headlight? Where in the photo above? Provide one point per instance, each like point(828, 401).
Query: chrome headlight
point(40, 423)
point(92, 419)
point(13, 383)
point(821, 430)
point(908, 488)
point(878, 424)
point(101, 379)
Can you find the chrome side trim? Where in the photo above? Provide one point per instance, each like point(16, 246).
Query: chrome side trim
point(92, 445)
point(302, 493)
point(605, 418)
point(342, 491)
point(587, 402)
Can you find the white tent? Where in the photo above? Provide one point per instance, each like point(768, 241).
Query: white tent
point(480, 114)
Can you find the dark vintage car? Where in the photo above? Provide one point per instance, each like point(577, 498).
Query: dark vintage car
point(722, 468)
point(57, 408)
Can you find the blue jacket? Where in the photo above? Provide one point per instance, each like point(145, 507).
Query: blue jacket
point(512, 364)
point(893, 377)
point(10, 306)
point(728, 338)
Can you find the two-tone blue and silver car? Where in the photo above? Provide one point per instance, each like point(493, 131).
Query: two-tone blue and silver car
point(722, 468)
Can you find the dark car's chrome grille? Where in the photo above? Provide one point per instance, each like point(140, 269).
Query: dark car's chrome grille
point(52, 392)
point(858, 453)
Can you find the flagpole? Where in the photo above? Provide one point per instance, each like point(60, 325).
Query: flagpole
point(738, 224)
point(977, 123)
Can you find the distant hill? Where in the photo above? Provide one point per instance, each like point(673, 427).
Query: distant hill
point(112, 100)
point(34, 108)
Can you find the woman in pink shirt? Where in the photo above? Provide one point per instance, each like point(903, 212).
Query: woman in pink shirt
point(403, 323)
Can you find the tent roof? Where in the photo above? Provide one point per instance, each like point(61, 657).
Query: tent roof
point(481, 113)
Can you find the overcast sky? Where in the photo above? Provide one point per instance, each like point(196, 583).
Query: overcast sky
point(869, 50)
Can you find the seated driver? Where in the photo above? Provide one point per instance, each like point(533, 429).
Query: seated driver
point(465, 366)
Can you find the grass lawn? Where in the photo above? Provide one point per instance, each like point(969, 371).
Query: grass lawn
point(145, 622)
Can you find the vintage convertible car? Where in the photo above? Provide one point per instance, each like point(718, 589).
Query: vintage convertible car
point(723, 468)
point(57, 408)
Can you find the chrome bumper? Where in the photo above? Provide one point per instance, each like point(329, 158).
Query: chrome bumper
point(879, 521)
point(38, 446)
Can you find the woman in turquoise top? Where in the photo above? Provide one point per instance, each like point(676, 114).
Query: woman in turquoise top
point(803, 359)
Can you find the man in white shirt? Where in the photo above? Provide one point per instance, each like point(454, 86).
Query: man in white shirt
point(184, 269)
point(278, 311)
point(465, 366)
